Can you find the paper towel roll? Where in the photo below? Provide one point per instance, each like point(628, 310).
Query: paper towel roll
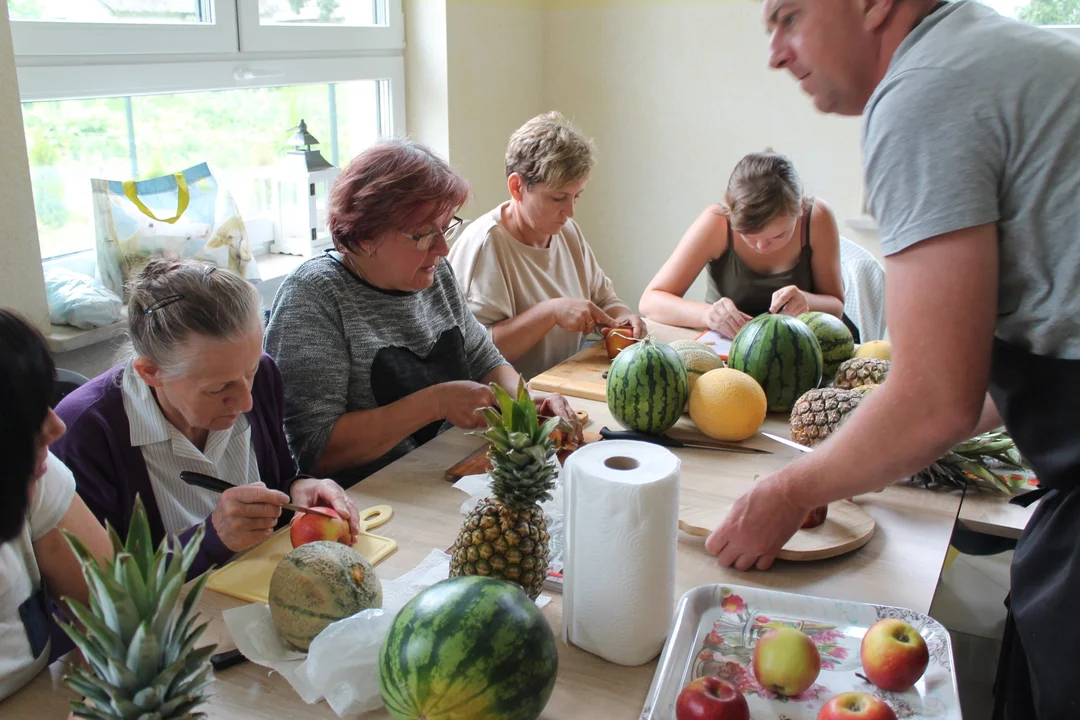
point(621, 500)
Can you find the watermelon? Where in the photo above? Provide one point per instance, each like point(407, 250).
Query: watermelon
point(782, 354)
point(647, 387)
point(468, 647)
point(835, 340)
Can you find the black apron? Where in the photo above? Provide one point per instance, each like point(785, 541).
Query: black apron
point(1038, 398)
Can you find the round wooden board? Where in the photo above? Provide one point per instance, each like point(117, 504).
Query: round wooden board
point(847, 527)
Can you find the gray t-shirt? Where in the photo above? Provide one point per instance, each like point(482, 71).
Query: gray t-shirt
point(977, 121)
point(344, 345)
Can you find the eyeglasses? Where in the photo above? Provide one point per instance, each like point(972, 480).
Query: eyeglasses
point(425, 241)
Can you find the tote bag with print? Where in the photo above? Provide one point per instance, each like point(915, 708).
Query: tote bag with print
point(188, 214)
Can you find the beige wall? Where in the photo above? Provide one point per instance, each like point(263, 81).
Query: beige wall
point(474, 74)
point(674, 94)
point(22, 283)
point(426, 101)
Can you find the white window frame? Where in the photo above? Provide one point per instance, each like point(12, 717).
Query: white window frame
point(52, 38)
point(68, 61)
point(235, 29)
point(255, 37)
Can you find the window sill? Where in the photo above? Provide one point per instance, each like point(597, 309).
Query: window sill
point(65, 338)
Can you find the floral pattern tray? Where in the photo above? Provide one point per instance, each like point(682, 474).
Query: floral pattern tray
point(716, 626)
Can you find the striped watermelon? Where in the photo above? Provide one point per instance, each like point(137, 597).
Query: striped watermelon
point(782, 354)
point(835, 340)
point(647, 387)
point(468, 647)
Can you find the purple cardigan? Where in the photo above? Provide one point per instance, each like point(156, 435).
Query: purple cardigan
point(109, 471)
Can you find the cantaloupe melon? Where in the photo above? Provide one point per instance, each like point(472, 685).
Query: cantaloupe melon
point(698, 359)
point(317, 584)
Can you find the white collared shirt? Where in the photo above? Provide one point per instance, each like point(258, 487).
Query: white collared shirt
point(229, 456)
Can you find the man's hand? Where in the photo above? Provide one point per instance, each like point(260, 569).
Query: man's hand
point(756, 527)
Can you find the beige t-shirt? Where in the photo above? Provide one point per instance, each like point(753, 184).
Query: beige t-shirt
point(502, 278)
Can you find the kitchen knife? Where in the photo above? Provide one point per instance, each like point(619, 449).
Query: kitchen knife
point(789, 443)
point(671, 442)
point(207, 482)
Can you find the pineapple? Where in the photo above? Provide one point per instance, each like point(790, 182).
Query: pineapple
point(818, 413)
point(139, 638)
point(506, 535)
point(969, 464)
point(861, 371)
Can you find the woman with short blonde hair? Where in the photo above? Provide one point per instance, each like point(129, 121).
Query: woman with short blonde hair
point(767, 248)
point(529, 276)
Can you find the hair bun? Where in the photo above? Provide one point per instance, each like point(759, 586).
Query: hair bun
point(769, 149)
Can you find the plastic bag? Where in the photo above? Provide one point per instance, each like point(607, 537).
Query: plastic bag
point(78, 300)
point(188, 214)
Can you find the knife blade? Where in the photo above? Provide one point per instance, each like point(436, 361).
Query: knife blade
point(668, 441)
point(208, 482)
point(789, 443)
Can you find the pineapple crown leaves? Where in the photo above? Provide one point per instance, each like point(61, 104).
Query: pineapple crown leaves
point(137, 635)
point(514, 427)
point(967, 463)
point(523, 467)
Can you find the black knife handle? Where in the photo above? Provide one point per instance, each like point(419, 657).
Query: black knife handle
point(664, 440)
point(226, 659)
point(205, 482)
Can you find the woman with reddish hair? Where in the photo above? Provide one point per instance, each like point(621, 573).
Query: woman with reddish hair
point(376, 343)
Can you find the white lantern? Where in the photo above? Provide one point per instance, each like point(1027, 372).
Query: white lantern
point(301, 187)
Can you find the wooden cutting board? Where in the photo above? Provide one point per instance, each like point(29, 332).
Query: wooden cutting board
point(581, 376)
point(248, 577)
point(847, 527)
point(477, 463)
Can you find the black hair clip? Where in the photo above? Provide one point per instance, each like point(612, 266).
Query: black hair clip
point(163, 303)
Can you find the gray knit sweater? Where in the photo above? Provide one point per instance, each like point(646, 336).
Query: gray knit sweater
point(344, 345)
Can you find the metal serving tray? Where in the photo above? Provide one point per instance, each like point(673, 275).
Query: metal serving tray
point(716, 626)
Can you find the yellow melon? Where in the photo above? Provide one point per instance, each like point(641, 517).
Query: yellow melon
point(880, 349)
point(728, 404)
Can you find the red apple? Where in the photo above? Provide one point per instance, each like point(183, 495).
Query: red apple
point(311, 527)
point(894, 655)
point(618, 339)
point(786, 661)
point(710, 698)
point(856, 706)
point(815, 518)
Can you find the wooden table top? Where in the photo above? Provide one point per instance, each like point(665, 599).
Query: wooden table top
point(899, 566)
point(993, 514)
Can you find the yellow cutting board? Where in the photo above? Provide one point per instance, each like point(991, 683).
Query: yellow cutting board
point(248, 577)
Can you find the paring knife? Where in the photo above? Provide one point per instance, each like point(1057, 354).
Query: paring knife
point(671, 442)
point(789, 443)
point(208, 482)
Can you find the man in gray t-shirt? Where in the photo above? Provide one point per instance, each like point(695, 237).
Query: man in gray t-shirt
point(972, 160)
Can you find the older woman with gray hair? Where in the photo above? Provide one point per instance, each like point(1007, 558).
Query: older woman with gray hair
point(529, 276)
point(198, 394)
